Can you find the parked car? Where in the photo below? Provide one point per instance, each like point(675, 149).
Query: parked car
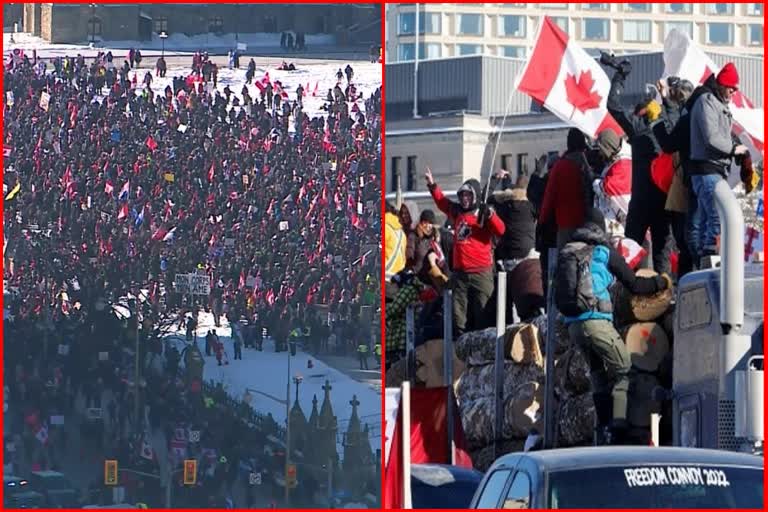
point(57, 489)
point(18, 493)
point(440, 486)
point(623, 477)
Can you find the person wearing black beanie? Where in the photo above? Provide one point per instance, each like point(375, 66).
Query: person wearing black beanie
point(586, 268)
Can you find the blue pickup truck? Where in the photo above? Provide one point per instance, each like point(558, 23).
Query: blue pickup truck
point(622, 477)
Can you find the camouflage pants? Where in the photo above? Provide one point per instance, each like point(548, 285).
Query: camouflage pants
point(608, 359)
point(471, 293)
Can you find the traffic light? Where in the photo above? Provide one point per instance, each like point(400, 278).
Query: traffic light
point(190, 472)
point(110, 472)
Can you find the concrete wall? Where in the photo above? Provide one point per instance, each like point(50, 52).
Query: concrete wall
point(46, 21)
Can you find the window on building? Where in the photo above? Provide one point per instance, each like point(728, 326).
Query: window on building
point(522, 164)
point(411, 182)
point(755, 35)
point(553, 6)
point(394, 171)
point(683, 26)
point(718, 9)
point(430, 51)
point(430, 23)
point(270, 24)
point(511, 26)
point(720, 33)
point(406, 23)
point(216, 25)
point(506, 162)
point(596, 7)
point(636, 31)
point(519, 494)
point(754, 9)
point(595, 29)
point(94, 26)
point(406, 51)
point(469, 24)
point(562, 22)
point(678, 8)
point(161, 25)
point(516, 52)
point(468, 49)
point(637, 7)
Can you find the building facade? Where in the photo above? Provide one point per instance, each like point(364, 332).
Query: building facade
point(509, 30)
point(460, 130)
point(77, 23)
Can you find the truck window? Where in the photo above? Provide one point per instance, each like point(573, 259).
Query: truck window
point(661, 486)
point(491, 493)
point(519, 494)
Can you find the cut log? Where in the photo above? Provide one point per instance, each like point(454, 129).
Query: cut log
point(478, 348)
point(562, 339)
point(576, 421)
point(429, 364)
point(630, 308)
point(647, 344)
point(522, 345)
point(478, 381)
point(572, 377)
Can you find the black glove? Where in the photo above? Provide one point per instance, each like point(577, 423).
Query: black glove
point(625, 68)
point(484, 212)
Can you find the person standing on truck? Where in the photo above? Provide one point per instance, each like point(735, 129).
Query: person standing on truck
point(475, 224)
point(586, 268)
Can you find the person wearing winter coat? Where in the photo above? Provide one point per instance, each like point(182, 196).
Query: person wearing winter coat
point(395, 243)
point(712, 152)
point(585, 303)
point(519, 217)
point(475, 226)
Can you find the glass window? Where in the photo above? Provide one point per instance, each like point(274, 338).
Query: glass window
point(430, 23)
point(469, 24)
point(430, 51)
point(519, 494)
point(494, 486)
point(636, 31)
point(406, 24)
point(506, 162)
point(160, 25)
point(637, 7)
point(596, 7)
point(683, 26)
point(553, 6)
point(516, 52)
point(678, 8)
point(216, 25)
point(411, 181)
point(394, 171)
point(406, 51)
point(511, 26)
point(595, 29)
point(718, 9)
point(468, 49)
point(522, 170)
point(754, 9)
point(755, 35)
point(669, 486)
point(94, 26)
point(719, 33)
point(562, 22)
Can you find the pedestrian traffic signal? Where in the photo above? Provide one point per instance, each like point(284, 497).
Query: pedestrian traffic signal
point(190, 472)
point(110, 472)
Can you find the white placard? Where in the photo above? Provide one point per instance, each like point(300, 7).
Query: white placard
point(391, 406)
point(250, 281)
point(229, 242)
point(57, 420)
point(45, 100)
point(242, 47)
point(283, 226)
point(182, 128)
point(194, 436)
point(254, 479)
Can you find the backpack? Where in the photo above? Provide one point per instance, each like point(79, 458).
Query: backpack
point(574, 294)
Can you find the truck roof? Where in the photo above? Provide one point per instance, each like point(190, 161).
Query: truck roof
point(592, 456)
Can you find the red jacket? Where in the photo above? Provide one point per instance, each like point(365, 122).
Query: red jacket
point(472, 248)
point(564, 195)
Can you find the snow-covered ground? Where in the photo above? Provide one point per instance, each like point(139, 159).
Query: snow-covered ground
point(174, 43)
point(267, 372)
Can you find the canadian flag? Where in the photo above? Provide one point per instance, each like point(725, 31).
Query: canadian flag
point(632, 252)
point(109, 188)
point(123, 213)
point(685, 59)
point(567, 81)
point(613, 190)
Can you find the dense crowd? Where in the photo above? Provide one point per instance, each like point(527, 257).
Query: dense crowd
point(114, 188)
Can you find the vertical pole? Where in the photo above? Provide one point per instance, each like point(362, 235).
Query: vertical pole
point(655, 420)
point(416, 68)
point(549, 368)
point(138, 370)
point(330, 482)
point(410, 344)
point(168, 486)
point(501, 328)
point(405, 400)
point(287, 430)
point(448, 370)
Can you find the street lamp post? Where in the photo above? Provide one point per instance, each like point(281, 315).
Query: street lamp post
point(93, 24)
point(163, 36)
point(288, 431)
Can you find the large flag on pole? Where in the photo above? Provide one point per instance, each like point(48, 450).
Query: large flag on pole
point(567, 81)
point(683, 58)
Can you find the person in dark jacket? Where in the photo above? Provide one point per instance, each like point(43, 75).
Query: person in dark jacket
point(646, 208)
point(475, 226)
point(546, 233)
point(422, 245)
point(594, 330)
point(519, 217)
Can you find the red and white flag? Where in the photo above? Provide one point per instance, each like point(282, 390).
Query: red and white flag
point(614, 189)
point(7, 150)
point(109, 188)
point(632, 252)
point(123, 213)
point(567, 81)
point(685, 59)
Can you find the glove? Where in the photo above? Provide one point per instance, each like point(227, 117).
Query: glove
point(484, 212)
point(625, 68)
point(652, 111)
point(749, 177)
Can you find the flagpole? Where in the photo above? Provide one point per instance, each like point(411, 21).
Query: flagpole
point(416, 68)
point(406, 446)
